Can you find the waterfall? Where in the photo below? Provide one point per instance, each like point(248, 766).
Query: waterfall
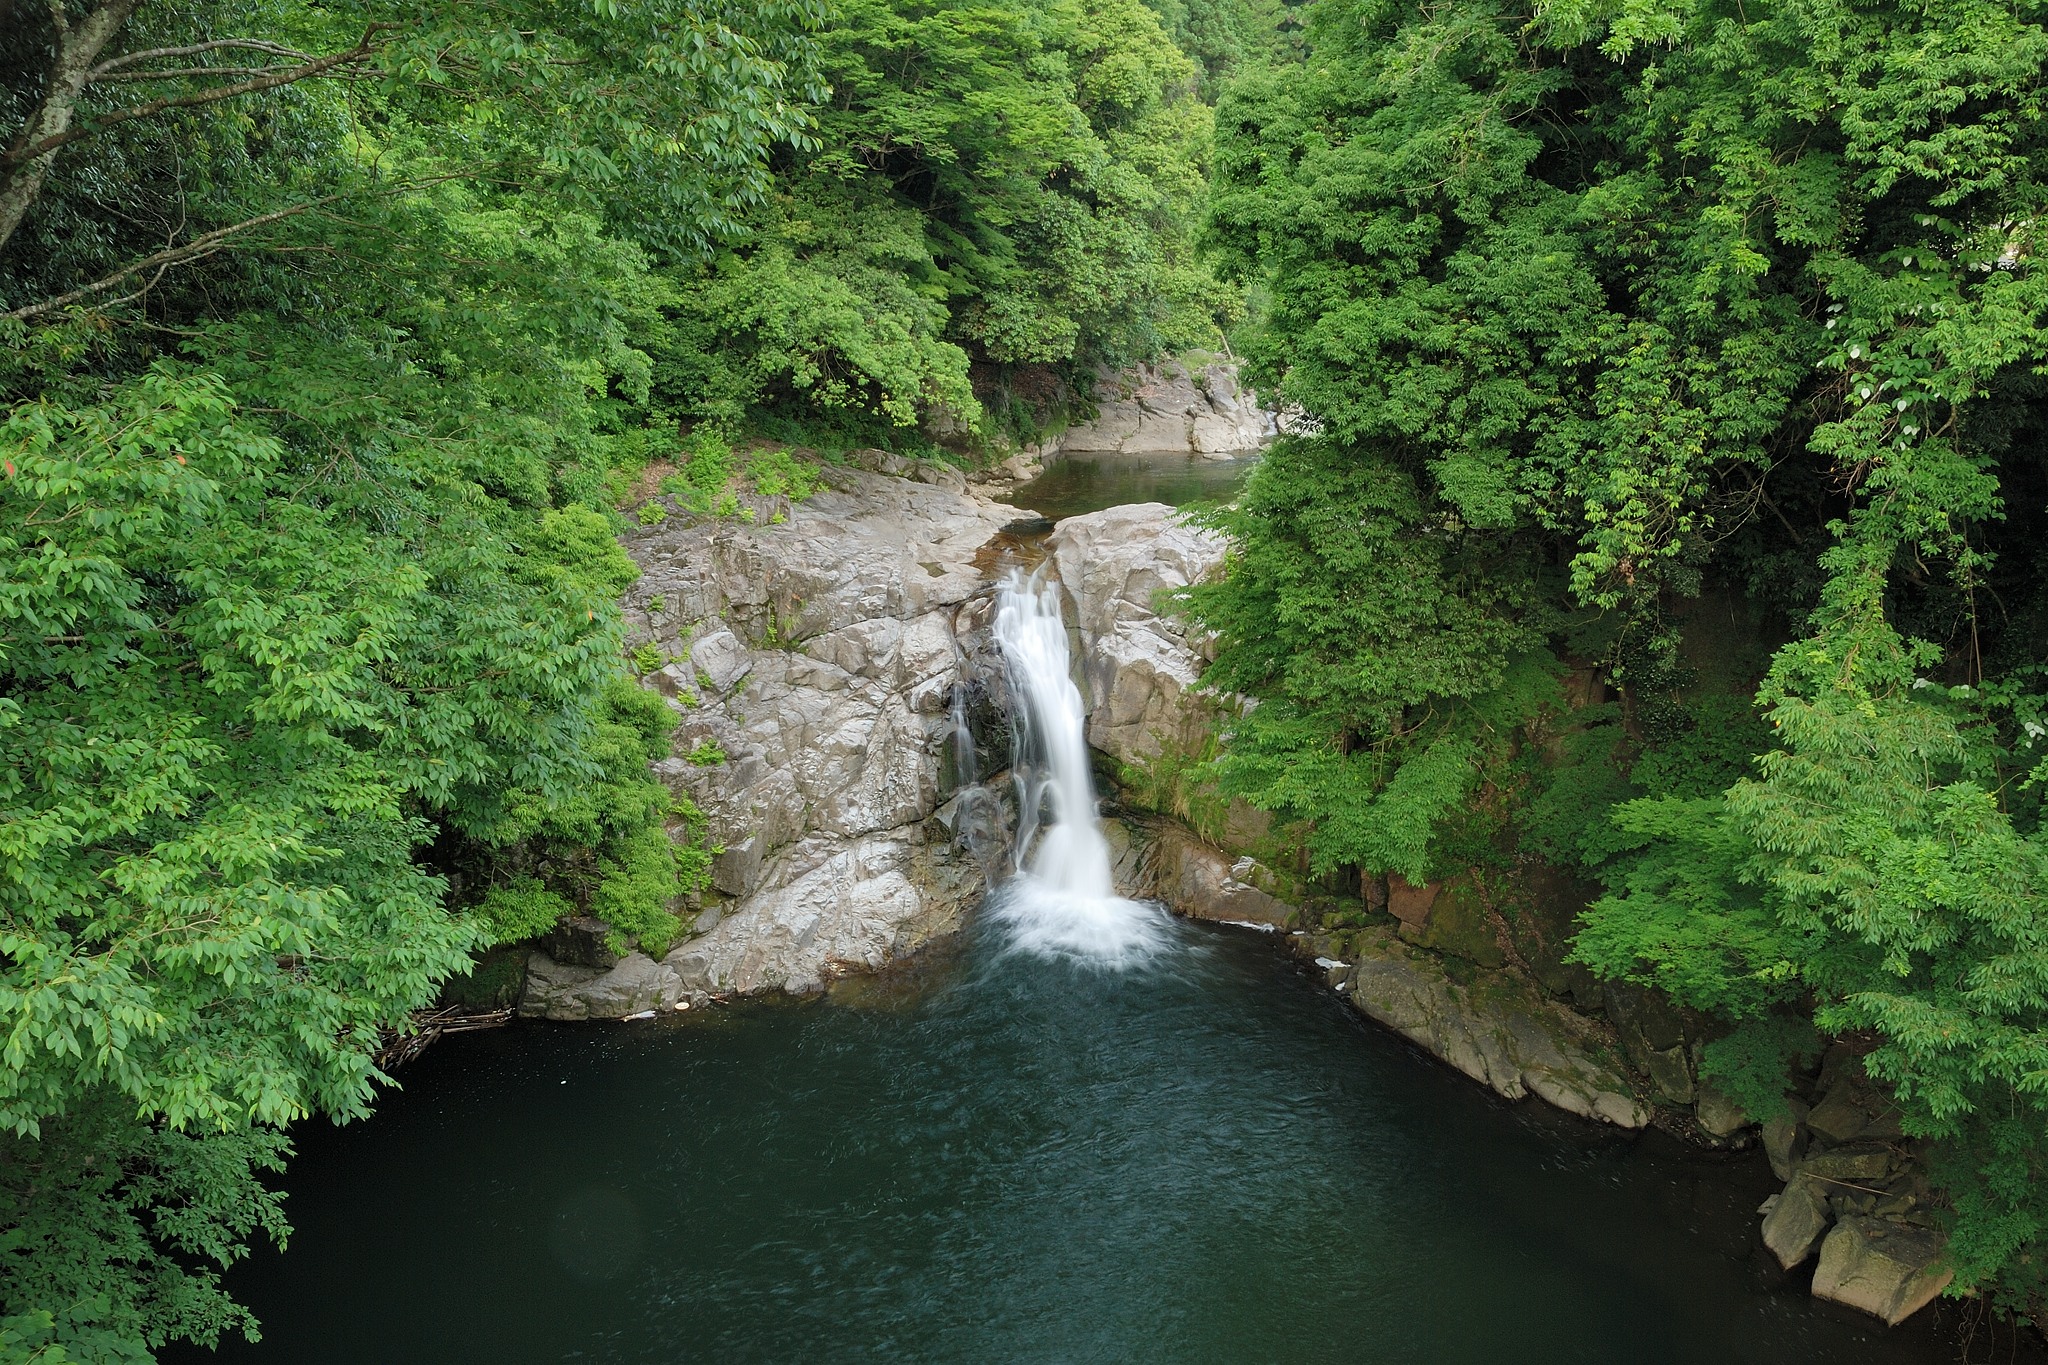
point(1060, 902)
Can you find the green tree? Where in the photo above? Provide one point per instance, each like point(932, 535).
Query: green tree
point(1602, 306)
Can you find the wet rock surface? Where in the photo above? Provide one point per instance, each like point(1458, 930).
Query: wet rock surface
point(1496, 1029)
point(571, 991)
point(1883, 1267)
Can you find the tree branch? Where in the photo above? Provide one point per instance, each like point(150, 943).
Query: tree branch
point(282, 76)
point(200, 247)
point(203, 245)
point(179, 73)
point(21, 170)
point(194, 49)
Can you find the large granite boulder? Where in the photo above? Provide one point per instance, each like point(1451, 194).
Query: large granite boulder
point(1498, 1030)
point(1161, 860)
point(1139, 669)
point(634, 984)
point(1882, 1267)
point(810, 657)
point(1166, 409)
point(827, 906)
point(1797, 1220)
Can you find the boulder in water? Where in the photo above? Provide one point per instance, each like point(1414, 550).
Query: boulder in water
point(1883, 1267)
point(568, 991)
point(1797, 1221)
point(1499, 1031)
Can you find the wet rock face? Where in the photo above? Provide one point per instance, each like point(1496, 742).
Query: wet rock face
point(1156, 410)
point(1140, 670)
point(812, 665)
point(1161, 860)
point(1882, 1267)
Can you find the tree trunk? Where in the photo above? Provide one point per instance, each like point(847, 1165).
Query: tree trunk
point(77, 49)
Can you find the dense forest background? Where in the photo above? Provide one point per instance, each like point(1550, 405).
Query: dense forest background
point(1666, 503)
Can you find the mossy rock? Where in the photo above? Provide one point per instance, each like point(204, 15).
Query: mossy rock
point(1459, 925)
point(493, 983)
point(1541, 905)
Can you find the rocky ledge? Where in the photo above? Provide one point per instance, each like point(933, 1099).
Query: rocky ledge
point(808, 651)
point(1166, 409)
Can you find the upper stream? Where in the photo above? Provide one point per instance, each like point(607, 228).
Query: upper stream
point(1077, 484)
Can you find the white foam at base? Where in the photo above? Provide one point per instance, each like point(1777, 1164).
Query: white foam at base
point(1061, 902)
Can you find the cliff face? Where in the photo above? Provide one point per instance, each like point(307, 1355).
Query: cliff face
point(809, 655)
point(1164, 409)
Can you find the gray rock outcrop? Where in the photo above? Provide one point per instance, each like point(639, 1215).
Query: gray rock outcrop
point(1797, 1221)
point(1499, 1031)
point(1162, 409)
point(634, 984)
point(1163, 861)
point(810, 656)
point(1882, 1267)
point(1139, 669)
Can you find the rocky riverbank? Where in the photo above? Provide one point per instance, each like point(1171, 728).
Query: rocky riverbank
point(1473, 969)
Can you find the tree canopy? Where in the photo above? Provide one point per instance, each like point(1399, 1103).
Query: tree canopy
point(1602, 313)
point(335, 339)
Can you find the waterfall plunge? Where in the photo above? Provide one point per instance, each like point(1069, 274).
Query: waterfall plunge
point(1061, 902)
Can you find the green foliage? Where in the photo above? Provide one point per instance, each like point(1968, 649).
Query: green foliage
point(714, 474)
point(519, 910)
point(1596, 308)
point(105, 1198)
point(708, 466)
point(1003, 186)
point(605, 849)
point(778, 474)
point(706, 754)
point(316, 571)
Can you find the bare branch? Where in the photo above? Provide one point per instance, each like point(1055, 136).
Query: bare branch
point(181, 72)
point(283, 76)
point(203, 245)
point(194, 49)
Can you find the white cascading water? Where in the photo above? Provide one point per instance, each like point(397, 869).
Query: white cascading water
point(1060, 903)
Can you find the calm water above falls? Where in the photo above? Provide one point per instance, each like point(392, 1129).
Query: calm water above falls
point(1075, 484)
point(1021, 1159)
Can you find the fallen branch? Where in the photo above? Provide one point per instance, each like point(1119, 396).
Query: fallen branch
point(400, 1046)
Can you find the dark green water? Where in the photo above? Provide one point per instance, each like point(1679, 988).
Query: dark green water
point(1078, 484)
point(1208, 1159)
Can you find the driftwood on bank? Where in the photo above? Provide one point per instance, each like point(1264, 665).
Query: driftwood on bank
point(400, 1046)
